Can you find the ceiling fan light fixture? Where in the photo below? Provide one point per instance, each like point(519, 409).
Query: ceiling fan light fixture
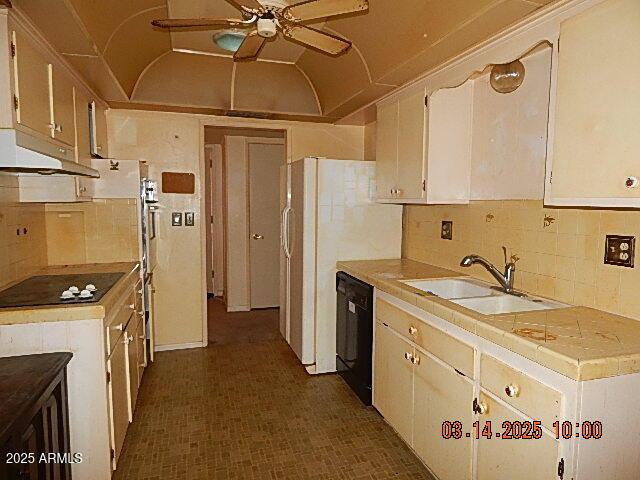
point(229, 40)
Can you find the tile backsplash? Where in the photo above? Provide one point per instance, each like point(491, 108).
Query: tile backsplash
point(560, 251)
point(104, 230)
point(21, 254)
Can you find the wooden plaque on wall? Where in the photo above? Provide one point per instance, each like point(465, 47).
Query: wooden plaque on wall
point(174, 182)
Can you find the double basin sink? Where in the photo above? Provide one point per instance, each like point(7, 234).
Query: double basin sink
point(482, 297)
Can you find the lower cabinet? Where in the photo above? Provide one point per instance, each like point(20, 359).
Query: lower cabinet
point(442, 395)
point(506, 459)
point(118, 396)
point(393, 380)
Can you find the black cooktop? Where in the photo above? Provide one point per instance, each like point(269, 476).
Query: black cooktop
point(47, 289)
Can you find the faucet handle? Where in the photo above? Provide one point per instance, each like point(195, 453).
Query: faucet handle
point(504, 249)
point(509, 259)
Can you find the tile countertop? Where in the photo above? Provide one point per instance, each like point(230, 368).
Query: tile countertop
point(578, 342)
point(63, 313)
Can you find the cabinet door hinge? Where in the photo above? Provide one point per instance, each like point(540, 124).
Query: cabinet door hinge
point(112, 454)
point(108, 377)
point(13, 50)
point(424, 185)
point(561, 469)
point(551, 177)
point(213, 273)
point(16, 102)
point(426, 100)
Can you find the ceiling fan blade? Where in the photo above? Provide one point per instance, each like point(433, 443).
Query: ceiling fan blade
point(246, 4)
point(315, 9)
point(250, 48)
point(322, 41)
point(198, 22)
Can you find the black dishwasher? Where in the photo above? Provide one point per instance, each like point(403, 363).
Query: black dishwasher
point(354, 334)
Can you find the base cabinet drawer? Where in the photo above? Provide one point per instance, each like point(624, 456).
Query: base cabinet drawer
point(509, 459)
point(448, 349)
point(521, 391)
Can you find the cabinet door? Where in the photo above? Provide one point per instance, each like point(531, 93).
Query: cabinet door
point(506, 459)
point(132, 363)
point(83, 129)
point(118, 396)
point(100, 131)
point(442, 395)
point(411, 145)
point(387, 150)
point(393, 381)
point(62, 106)
point(596, 139)
point(141, 340)
point(31, 78)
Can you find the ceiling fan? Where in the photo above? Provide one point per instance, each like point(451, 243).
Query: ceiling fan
point(268, 17)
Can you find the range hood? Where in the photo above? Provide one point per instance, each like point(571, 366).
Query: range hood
point(24, 153)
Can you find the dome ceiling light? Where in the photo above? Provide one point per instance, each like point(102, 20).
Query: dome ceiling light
point(266, 18)
point(229, 40)
point(507, 77)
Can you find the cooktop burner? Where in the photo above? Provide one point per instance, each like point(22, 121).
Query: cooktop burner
point(47, 289)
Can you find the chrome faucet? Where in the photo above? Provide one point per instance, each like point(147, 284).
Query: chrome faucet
point(505, 279)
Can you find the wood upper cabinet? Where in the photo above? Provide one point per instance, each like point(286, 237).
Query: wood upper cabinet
point(442, 395)
point(62, 106)
point(31, 85)
point(99, 130)
point(393, 380)
point(423, 146)
point(595, 109)
point(83, 128)
point(506, 459)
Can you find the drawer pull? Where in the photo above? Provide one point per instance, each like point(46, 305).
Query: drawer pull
point(412, 330)
point(512, 391)
point(415, 360)
point(120, 327)
point(408, 356)
point(479, 408)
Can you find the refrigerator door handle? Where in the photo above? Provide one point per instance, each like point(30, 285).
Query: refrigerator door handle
point(285, 231)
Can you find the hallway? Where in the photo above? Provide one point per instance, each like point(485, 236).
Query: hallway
point(246, 409)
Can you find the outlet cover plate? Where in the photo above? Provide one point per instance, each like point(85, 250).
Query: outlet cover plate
point(176, 219)
point(446, 233)
point(620, 250)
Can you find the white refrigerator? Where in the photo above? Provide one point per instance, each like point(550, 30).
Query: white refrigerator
point(328, 214)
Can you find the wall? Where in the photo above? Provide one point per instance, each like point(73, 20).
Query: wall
point(104, 230)
point(20, 255)
point(561, 260)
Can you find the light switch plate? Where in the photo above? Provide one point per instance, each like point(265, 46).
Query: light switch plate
point(446, 233)
point(620, 250)
point(176, 219)
point(189, 219)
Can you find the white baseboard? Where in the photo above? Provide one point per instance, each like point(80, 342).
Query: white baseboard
point(238, 308)
point(179, 346)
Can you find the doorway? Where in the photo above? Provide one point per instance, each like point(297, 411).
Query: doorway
point(243, 242)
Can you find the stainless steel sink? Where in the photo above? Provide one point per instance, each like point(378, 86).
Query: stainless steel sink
point(451, 288)
point(504, 303)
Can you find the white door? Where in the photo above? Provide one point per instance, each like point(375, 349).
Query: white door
point(302, 264)
point(264, 223)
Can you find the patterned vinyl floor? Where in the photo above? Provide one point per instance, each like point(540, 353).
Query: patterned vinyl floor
point(249, 411)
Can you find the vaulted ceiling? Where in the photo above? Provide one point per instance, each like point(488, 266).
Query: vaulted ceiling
point(126, 60)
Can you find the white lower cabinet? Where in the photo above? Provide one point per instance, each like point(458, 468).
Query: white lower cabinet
point(442, 395)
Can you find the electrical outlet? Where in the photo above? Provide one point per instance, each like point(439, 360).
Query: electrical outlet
point(620, 250)
point(189, 219)
point(176, 219)
point(446, 233)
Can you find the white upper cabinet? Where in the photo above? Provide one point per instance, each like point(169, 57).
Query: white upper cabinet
point(595, 109)
point(423, 146)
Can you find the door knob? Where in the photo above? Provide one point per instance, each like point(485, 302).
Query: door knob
point(257, 236)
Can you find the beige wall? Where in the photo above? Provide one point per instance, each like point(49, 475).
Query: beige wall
point(370, 141)
point(104, 230)
point(173, 142)
point(20, 255)
point(563, 260)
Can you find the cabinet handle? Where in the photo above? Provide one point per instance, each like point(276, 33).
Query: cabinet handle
point(480, 408)
point(631, 182)
point(512, 390)
point(119, 327)
point(62, 150)
point(83, 189)
point(98, 147)
point(140, 312)
point(415, 360)
point(408, 356)
point(399, 191)
point(132, 306)
point(412, 330)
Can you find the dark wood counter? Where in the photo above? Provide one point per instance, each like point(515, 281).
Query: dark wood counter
point(34, 416)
